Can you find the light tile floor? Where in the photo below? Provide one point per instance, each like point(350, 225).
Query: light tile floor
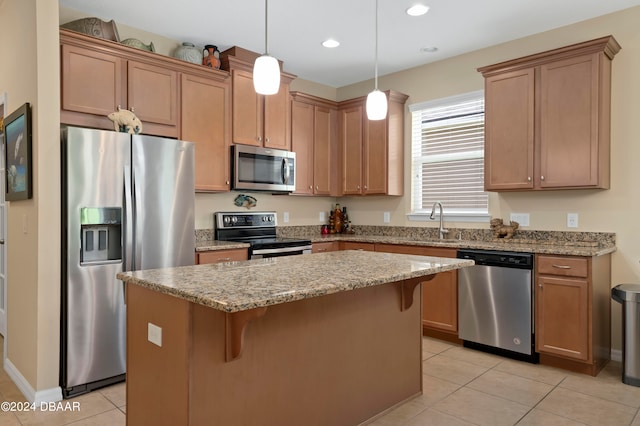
point(461, 387)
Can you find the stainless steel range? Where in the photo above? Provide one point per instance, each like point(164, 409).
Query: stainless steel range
point(258, 229)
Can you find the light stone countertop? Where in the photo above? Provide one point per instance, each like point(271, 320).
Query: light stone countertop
point(569, 248)
point(214, 245)
point(239, 286)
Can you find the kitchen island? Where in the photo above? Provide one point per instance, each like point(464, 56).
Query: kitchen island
point(331, 338)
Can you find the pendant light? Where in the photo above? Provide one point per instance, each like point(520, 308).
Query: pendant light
point(266, 70)
point(376, 100)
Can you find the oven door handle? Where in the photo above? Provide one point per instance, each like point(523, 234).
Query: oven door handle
point(281, 250)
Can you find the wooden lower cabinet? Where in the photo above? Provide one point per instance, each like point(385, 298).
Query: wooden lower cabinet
point(439, 296)
point(325, 247)
point(351, 245)
point(573, 311)
point(220, 256)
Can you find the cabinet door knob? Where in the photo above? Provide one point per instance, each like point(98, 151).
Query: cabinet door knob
point(310, 186)
point(358, 187)
point(529, 179)
point(542, 177)
point(540, 285)
point(365, 187)
point(266, 139)
point(259, 138)
point(133, 109)
point(227, 183)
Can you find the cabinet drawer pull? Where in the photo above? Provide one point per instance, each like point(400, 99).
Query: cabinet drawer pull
point(322, 249)
point(561, 266)
point(224, 259)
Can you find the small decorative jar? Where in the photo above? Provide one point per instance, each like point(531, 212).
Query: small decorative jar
point(211, 56)
point(188, 52)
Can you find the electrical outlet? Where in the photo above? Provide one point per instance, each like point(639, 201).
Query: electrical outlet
point(322, 219)
point(154, 334)
point(521, 218)
point(285, 217)
point(572, 220)
point(386, 217)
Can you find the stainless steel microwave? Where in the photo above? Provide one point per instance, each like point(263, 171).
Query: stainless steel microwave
point(262, 169)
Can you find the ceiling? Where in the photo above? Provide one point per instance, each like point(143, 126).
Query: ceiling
point(297, 27)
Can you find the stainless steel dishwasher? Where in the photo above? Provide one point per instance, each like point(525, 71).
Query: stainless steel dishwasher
point(495, 303)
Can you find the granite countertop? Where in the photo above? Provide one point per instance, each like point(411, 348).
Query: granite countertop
point(571, 248)
point(213, 245)
point(239, 286)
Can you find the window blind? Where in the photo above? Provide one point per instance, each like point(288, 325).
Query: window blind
point(448, 155)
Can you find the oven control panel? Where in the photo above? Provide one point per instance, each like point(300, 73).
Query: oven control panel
point(229, 220)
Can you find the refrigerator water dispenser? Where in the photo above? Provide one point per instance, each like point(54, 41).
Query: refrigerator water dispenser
point(101, 230)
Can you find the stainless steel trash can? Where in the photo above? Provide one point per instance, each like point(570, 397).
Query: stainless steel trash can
point(629, 296)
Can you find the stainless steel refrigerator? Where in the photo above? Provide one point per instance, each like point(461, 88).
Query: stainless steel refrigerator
point(127, 204)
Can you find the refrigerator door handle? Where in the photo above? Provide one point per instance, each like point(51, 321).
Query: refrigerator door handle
point(127, 237)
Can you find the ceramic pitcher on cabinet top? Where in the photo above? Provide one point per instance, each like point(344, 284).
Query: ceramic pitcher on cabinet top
point(211, 56)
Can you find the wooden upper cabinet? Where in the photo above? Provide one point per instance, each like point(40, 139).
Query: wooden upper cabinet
point(153, 96)
point(93, 85)
point(277, 133)
point(259, 120)
point(372, 152)
point(98, 76)
point(547, 120)
point(206, 120)
point(351, 139)
point(313, 139)
point(574, 151)
point(509, 126)
point(302, 145)
point(324, 150)
point(375, 157)
point(247, 109)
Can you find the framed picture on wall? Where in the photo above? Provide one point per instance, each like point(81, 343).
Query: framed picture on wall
point(17, 142)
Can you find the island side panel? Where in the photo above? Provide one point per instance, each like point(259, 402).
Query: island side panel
point(335, 359)
point(157, 377)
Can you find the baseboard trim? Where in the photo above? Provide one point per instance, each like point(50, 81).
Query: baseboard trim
point(46, 395)
point(616, 355)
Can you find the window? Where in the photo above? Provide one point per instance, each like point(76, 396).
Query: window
point(448, 157)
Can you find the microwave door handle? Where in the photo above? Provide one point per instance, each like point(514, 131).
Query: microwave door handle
point(285, 170)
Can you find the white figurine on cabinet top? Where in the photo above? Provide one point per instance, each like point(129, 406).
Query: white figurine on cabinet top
point(125, 121)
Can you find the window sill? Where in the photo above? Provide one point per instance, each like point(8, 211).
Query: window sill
point(475, 218)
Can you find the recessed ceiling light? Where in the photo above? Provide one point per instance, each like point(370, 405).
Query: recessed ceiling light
point(417, 10)
point(430, 49)
point(330, 43)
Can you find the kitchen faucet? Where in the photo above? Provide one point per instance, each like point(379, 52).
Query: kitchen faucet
point(432, 216)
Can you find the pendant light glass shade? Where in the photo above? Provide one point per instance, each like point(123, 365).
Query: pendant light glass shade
point(266, 70)
point(266, 75)
point(376, 105)
point(376, 100)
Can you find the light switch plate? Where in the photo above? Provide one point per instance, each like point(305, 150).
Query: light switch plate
point(521, 218)
point(154, 334)
point(387, 217)
point(322, 219)
point(285, 217)
point(572, 220)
